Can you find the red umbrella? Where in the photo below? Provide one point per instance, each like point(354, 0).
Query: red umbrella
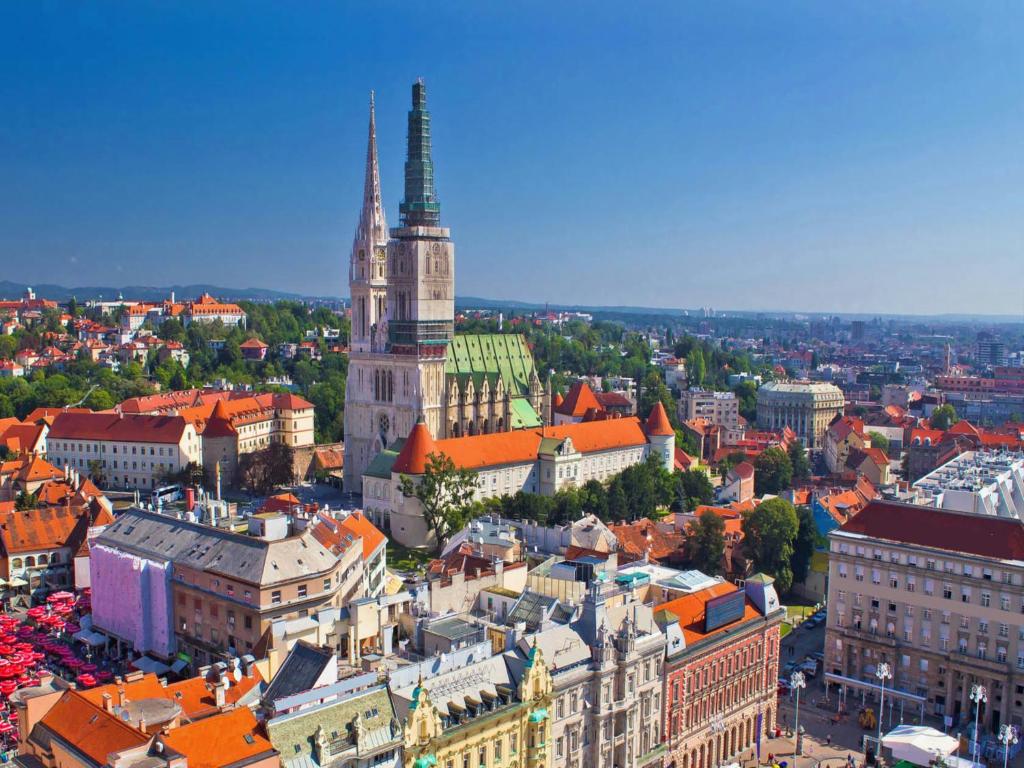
point(7, 687)
point(8, 672)
point(6, 650)
point(60, 597)
point(6, 727)
point(86, 680)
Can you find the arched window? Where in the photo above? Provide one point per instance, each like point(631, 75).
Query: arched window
point(43, 560)
point(30, 562)
point(17, 563)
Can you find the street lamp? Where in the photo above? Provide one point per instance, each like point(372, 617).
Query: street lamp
point(796, 682)
point(1007, 736)
point(979, 696)
point(882, 673)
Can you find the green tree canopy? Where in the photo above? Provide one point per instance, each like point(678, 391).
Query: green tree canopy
point(943, 417)
point(879, 441)
point(773, 471)
point(445, 493)
point(769, 533)
point(798, 460)
point(804, 544)
point(706, 543)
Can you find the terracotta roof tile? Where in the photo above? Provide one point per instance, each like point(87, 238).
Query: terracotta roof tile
point(658, 423)
point(89, 729)
point(690, 609)
point(357, 524)
point(578, 401)
point(225, 739)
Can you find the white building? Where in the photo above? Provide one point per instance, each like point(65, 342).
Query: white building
point(982, 482)
point(130, 451)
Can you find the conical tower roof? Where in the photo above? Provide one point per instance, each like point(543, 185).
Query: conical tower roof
point(658, 423)
point(413, 458)
point(219, 424)
point(372, 231)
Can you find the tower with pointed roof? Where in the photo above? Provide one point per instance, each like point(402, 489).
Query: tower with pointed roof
point(367, 271)
point(403, 310)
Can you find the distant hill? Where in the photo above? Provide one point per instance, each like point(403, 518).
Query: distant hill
point(10, 290)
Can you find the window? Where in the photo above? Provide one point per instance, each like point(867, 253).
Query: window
point(302, 590)
point(947, 591)
point(327, 585)
point(986, 599)
point(275, 597)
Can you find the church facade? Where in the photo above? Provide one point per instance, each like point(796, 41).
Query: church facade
point(406, 362)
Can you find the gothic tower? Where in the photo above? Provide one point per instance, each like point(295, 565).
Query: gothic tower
point(367, 270)
point(421, 279)
point(397, 367)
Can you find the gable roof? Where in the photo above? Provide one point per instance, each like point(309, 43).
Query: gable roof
point(46, 528)
point(579, 400)
point(359, 526)
point(302, 668)
point(226, 739)
point(87, 728)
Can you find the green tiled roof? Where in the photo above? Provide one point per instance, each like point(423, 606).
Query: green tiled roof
point(383, 461)
point(489, 355)
point(521, 414)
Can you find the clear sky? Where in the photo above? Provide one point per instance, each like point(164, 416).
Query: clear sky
point(862, 156)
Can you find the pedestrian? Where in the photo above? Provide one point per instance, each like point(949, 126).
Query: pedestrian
point(828, 740)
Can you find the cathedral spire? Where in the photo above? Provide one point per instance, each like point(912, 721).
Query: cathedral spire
point(420, 207)
point(373, 227)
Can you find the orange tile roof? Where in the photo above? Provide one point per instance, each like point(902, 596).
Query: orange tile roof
point(36, 469)
point(146, 687)
point(21, 438)
point(523, 445)
point(643, 536)
point(133, 428)
point(47, 528)
point(196, 698)
point(225, 739)
point(412, 459)
point(658, 423)
point(360, 526)
point(579, 400)
point(90, 730)
point(690, 610)
point(49, 414)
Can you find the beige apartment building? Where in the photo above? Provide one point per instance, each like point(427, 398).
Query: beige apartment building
point(806, 407)
point(721, 409)
point(938, 596)
point(177, 588)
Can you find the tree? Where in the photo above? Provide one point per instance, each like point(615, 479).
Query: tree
point(445, 493)
point(26, 500)
point(262, 471)
point(706, 543)
point(695, 486)
point(773, 471)
point(943, 417)
point(879, 441)
point(798, 460)
point(695, 367)
point(96, 472)
point(803, 546)
point(653, 391)
point(768, 536)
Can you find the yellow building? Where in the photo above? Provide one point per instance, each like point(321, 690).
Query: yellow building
point(490, 714)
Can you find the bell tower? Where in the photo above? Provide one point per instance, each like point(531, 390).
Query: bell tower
point(421, 275)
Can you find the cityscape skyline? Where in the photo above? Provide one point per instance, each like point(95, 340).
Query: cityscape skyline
point(722, 166)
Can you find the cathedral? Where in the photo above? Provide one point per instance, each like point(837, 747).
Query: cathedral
point(406, 363)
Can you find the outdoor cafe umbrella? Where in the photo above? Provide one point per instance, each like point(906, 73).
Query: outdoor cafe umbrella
point(58, 597)
point(17, 581)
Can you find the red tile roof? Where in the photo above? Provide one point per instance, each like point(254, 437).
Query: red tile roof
point(89, 730)
point(658, 423)
point(46, 528)
point(360, 526)
point(640, 537)
point(225, 739)
point(114, 427)
point(578, 401)
point(691, 609)
point(219, 423)
point(983, 535)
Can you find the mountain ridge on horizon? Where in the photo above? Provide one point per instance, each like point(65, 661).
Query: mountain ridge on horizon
point(13, 290)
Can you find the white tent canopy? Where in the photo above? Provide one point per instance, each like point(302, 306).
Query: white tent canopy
point(918, 744)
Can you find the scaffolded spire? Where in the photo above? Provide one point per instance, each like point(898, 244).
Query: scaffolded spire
point(373, 227)
point(420, 207)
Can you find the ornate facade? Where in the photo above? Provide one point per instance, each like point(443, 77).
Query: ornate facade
point(406, 362)
point(485, 716)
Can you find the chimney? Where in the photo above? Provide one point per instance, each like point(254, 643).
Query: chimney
point(121, 698)
point(219, 694)
point(108, 702)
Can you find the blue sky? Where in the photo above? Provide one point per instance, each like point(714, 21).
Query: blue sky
point(838, 156)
